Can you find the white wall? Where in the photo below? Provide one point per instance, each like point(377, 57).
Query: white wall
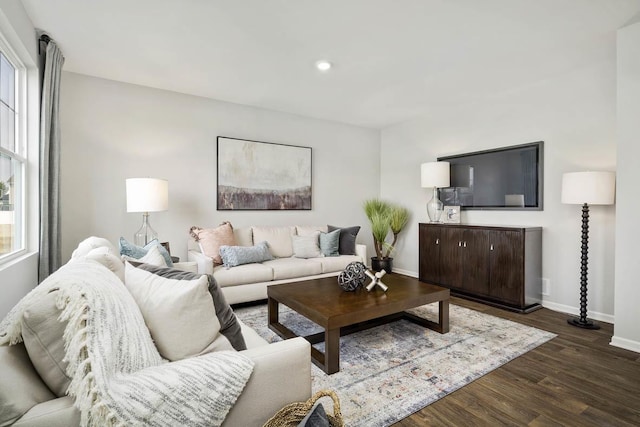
point(627, 326)
point(20, 275)
point(112, 131)
point(574, 114)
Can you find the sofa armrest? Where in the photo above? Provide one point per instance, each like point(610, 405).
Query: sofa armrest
point(281, 375)
point(361, 251)
point(205, 264)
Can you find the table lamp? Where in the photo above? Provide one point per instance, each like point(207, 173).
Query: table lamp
point(587, 188)
point(434, 175)
point(146, 195)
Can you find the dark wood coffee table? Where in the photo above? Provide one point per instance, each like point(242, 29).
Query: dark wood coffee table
point(340, 313)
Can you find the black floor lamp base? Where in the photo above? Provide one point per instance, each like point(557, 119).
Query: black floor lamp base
point(586, 324)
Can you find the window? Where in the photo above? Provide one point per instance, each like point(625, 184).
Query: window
point(12, 160)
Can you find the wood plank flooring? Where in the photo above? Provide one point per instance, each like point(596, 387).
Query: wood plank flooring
point(576, 379)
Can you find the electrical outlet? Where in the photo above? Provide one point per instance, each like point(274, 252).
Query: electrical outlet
point(546, 287)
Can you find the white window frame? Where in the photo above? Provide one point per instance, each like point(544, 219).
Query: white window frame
point(20, 154)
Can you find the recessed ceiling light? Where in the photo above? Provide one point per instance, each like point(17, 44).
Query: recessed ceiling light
point(323, 65)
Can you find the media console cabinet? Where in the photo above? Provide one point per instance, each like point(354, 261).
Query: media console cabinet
point(500, 266)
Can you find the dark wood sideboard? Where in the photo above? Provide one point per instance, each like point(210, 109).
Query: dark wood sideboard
point(500, 266)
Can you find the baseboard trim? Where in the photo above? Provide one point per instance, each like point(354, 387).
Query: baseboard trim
point(625, 344)
point(575, 311)
point(406, 272)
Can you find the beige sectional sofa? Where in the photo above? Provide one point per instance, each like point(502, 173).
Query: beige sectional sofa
point(248, 282)
point(27, 400)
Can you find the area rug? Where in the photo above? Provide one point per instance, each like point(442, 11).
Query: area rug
point(391, 371)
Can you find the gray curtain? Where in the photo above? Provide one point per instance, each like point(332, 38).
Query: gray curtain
point(50, 247)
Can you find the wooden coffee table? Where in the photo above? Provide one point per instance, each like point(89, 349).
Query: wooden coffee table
point(340, 313)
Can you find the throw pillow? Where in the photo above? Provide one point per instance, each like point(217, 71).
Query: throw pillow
point(42, 335)
point(137, 252)
point(330, 243)
point(347, 239)
point(90, 243)
point(104, 256)
point(233, 256)
point(153, 257)
point(210, 239)
point(179, 313)
point(303, 230)
point(306, 246)
point(278, 238)
point(229, 325)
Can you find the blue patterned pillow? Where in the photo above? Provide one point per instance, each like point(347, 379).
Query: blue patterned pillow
point(330, 242)
point(137, 252)
point(237, 255)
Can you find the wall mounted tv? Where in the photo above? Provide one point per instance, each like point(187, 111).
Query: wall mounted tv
point(503, 178)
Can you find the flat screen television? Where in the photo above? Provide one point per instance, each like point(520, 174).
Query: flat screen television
point(502, 178)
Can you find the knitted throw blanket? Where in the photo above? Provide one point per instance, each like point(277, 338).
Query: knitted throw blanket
point(118, 377)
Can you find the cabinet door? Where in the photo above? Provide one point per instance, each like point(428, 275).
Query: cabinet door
point(429, 244)
point(475, 258)
point(451, 262)
point(507, 266)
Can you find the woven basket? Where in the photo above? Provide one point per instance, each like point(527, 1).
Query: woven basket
point(293, 413)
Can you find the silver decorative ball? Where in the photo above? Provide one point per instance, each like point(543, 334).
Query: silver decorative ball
point(353, 276)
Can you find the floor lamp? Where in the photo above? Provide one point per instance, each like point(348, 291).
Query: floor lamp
point(587, 188)
point(146, 195)
point(434, 175)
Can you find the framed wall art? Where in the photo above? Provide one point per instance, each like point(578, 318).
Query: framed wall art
point(254, 175)
point(451, 215)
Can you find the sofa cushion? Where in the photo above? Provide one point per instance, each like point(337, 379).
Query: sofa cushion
point(229, 324)
point(21, 387)
point(307, 246)
point(242, 274)
point(330, 243)
point(278, 238)
point(333, 264)
point(137, 252)
point(243, 236)
point(303, 230)
point(42, 335)
point(210, 239)
point(180, 314)
point(347, 239)
point(289, 268)
point(233, 256)
point(152, 257)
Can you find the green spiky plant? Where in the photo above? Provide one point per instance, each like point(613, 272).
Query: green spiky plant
point(385, 217)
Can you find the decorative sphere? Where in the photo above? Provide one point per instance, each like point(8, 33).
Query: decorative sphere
point(353, 276)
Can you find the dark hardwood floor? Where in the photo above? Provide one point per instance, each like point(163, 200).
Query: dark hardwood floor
point(576, 379)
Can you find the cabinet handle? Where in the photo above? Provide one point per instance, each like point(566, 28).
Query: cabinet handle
point(491, 248)
point(459, 243)
point(437, 241)
point(465, 244)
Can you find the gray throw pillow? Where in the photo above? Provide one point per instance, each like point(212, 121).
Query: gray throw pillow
point(347, 239)
point(129, 249)
point(233, 256)
point(229, 325)
point(330, 243)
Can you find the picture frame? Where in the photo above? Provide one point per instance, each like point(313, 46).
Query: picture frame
point(451, 214)
point(257, 175)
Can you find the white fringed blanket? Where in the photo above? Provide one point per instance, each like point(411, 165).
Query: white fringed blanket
point(118, 377)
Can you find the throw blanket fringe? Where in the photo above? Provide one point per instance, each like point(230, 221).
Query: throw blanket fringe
point(118, 376)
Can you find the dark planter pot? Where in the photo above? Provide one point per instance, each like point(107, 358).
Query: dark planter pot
point(385, 264)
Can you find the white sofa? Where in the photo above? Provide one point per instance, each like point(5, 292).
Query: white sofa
point(285, 366)
point(248, 282)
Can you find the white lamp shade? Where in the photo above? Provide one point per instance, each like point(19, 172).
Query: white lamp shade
point(434, 174)
point(147, 195)
point(593, 188)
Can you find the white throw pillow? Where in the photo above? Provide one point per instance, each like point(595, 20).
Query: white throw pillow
point(307, 246)
point(180, 314)
point(278, 239)
point(93, 242)
point(104, 256)
point(153, 257)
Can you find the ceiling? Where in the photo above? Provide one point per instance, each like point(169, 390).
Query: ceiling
point(393, 60)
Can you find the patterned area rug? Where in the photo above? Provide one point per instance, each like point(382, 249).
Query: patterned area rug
point(391, 371)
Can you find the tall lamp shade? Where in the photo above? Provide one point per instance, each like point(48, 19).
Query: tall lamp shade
point(434, 175)
point(146, 195)
point(587, 188)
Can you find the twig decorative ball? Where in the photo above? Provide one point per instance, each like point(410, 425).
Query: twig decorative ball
point(353, 276)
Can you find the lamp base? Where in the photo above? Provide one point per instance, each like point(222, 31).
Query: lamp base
point(146, 234)
point(586, 324)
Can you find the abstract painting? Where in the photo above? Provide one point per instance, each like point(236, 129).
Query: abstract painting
point(254, 175)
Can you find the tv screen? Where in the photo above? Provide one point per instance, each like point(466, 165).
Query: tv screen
point(503, 178)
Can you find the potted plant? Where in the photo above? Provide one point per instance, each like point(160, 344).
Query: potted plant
point(384, 217)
